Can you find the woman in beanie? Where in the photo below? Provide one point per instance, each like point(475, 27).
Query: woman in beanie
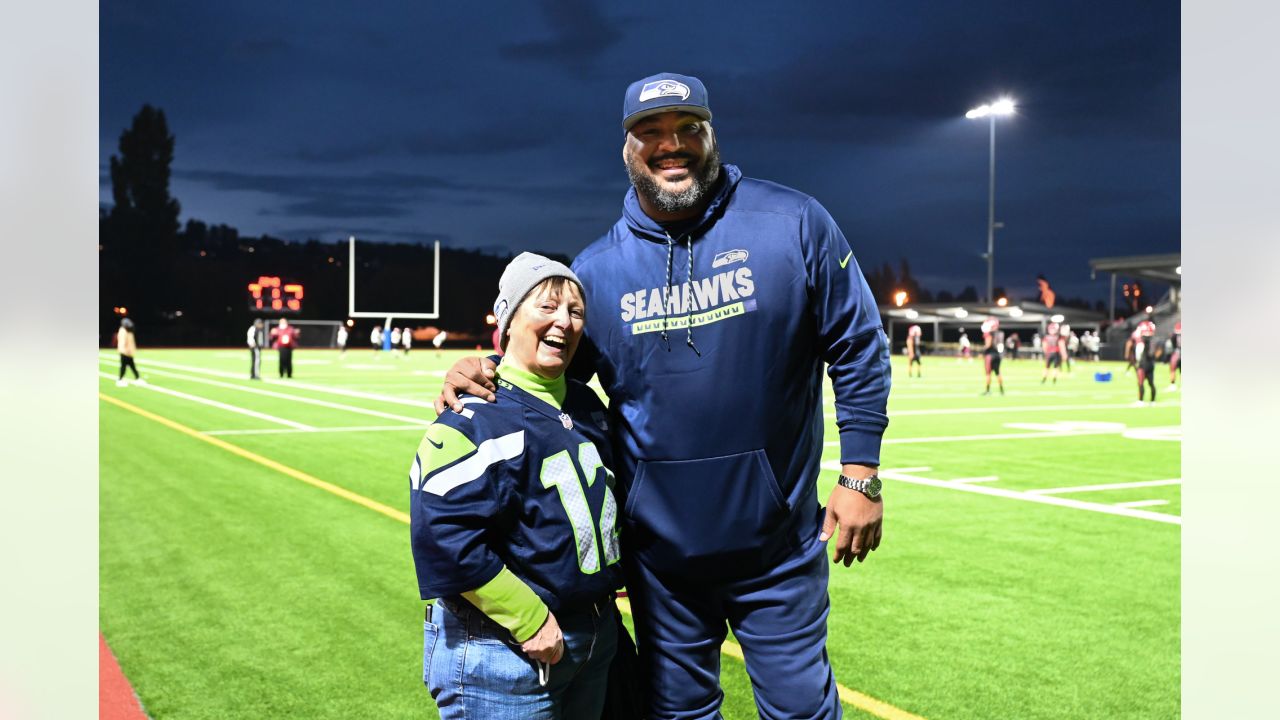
point(514, 523)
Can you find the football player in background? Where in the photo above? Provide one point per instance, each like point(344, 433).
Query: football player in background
point(914, 334)
point(1145, 356)
point(992, 345)
point(1053, 351)
point(1175, 356)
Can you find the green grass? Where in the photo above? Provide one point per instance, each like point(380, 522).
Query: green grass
point(228, 589)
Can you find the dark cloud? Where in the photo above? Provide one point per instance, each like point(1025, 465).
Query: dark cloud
point(307, 183)
point(258, 48)
point(470, 140)
point(331, 207)
point(580, 35)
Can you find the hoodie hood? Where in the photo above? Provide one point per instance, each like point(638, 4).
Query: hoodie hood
point(648, 228)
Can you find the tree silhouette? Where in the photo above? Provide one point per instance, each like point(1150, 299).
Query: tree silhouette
point(145, 217)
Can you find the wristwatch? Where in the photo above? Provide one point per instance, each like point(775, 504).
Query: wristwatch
point(869, 486)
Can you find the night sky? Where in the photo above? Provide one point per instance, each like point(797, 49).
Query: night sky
point(497, 125)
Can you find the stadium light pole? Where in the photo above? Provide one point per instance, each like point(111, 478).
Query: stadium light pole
point(1003, 106)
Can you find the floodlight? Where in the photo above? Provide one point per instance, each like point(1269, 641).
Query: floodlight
point(1002, 301)
point(1015, 311)
point(912, 314)
point(1056, 318)
point(1003, 106)
point(962, 313)
point(980, 111)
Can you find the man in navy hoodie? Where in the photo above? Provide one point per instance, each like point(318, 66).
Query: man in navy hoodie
point(714, 303)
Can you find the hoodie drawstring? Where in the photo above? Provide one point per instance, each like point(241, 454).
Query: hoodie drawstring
point(667, 300)
point(688, 312)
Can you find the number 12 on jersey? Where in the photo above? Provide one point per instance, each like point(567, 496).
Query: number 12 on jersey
point(558, 472)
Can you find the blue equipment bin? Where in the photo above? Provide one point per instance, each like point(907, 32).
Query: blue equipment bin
point(1102, 377)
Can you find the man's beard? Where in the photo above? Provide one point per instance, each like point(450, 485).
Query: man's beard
point(704, 179)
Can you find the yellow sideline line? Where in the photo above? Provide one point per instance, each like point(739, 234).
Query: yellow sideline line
point(267, 462)
point(851, 697)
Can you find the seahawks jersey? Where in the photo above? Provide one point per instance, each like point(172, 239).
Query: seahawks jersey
point(518, 483)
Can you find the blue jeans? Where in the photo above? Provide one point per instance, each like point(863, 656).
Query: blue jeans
point(474, 669)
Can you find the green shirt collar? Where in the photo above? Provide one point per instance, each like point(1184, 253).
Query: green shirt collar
point(551, 392)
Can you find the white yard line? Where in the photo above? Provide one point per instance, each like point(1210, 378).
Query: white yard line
point(903, 476)
point(995, 436)
point(984, 478)
point(148, 363)
point(1108, 486)
point(1016, 408)
point(1143, 503)
point(294, 398)
point(215, 403)
point(282, 431)
point(1119, 430)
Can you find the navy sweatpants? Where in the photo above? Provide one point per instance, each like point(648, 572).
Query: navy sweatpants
point(779, 619)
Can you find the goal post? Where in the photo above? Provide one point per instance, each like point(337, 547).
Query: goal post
point(385, 314)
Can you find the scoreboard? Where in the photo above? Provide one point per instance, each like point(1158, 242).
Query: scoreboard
point(268, 294)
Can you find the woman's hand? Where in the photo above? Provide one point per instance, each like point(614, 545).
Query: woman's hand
point(546, 645)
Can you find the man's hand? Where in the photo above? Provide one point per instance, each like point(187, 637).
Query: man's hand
point(858, 516)
point(469, 375)
point(547, 645)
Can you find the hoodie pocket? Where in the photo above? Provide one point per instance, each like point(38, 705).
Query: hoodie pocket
point(711, 516)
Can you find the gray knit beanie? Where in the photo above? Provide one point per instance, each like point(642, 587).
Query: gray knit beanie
point(523, 274)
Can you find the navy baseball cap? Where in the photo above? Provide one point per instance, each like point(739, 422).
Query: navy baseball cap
point(664, 92)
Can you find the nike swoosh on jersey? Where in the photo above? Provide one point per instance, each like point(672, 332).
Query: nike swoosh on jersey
point(845, 261)
point(434, 444)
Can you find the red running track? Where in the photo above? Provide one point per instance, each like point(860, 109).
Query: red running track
point(116, 699)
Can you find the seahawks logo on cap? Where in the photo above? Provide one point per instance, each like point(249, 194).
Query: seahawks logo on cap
point(664, 88)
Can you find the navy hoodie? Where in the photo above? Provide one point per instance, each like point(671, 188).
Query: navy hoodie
point(710, 344)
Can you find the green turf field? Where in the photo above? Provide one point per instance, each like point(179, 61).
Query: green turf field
point(1029, 569)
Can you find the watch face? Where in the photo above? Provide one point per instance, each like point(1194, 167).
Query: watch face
point(873, 489)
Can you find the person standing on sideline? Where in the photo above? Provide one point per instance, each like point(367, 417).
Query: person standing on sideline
point(713, 288)
point(406, 340)
point(285, 337)
point(966, 347)
point(992, 346)
point(342, 340)
point(127, 345)
point(375, 337)
point(1144, 358)
point(438, 341)
point(255, 340)
point(514, 524)
point(1175, 356)
point(914, 334)
point(1053, 351)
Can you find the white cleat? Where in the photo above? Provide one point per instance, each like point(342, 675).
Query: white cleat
point(121, 383)
point(1139, 403)
point(140, 381)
